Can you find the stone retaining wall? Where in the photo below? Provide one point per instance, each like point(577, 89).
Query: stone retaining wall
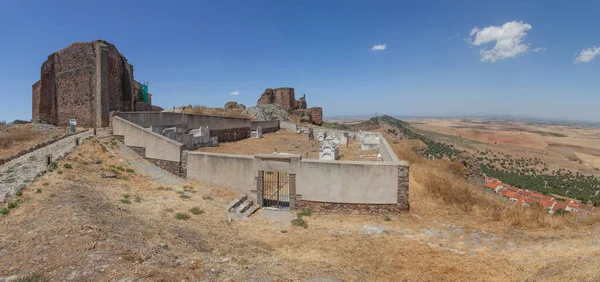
point(232, 134)
point(36, 147)
point(349, 208)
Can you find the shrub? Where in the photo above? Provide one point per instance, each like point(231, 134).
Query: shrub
point(120, 168)
point(4, 211)
point(185, 196)
point(196, 211)
point(305, 212)
point(55, 137)
point(126, 196)
point(300, 222)
point(68, 166)
point(38, 190)
point(125, 201)
point(59, 172)
point(14, 204)
point(387, 218)
point(46, 184)
point(52, 166)
point(19, 193)
point(138, 199)
point(182, 216)
point(129, 170)
point(284, 231)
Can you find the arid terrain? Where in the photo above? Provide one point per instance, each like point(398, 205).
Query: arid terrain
point(574, 147)
point(73, 224)
point(287, 141)
point(19, 137)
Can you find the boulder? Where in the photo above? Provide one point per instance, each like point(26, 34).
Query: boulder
point(233, 105)
point(267, 112)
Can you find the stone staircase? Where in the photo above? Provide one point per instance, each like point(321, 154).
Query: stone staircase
point(241, 207)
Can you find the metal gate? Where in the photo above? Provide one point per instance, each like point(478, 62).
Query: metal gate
point(276, 189)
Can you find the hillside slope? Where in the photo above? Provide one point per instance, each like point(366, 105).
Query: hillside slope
point(83, 227)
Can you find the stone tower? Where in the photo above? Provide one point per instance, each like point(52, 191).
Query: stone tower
point(85, 81)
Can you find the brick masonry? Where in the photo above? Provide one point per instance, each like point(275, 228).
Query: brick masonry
point(231, 135)
point(316, 115)
point(85, 80)
point(285, 97)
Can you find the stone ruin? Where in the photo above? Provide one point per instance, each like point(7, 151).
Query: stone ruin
point(234, 105)
point(192, 139)
point(285, 98)
point(86, 81)
point(256, 133)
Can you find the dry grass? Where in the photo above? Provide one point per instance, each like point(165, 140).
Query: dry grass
point(443, 181)
point(16, 135)
point(21, 137)
point(77, 228)
point(287, 141)
point(201, 110)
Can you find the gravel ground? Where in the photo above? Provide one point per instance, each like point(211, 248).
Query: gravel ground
point(21, 171)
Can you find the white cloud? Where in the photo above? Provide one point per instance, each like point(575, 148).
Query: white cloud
point(539, 49)
point(508, 40)
point(587, 55)
point(378, 47)
point(234, 93)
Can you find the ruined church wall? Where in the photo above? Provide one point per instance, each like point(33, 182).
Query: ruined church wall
point(35, 101)
point(74, 72)
point(285, 97)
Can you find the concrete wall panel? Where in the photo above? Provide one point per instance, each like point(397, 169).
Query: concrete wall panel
point(156, 146)
point(234, 172)
point(347, 182)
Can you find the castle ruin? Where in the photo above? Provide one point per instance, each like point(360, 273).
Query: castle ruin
point(86, 81)
point(285, 98)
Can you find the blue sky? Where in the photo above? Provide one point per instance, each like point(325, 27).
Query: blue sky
point(198, 52)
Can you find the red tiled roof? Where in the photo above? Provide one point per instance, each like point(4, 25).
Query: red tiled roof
point(511, 194)
point(558, 205)
point(492, 185)
point(531, 200)
point(546, 204)
point(536, 195)
point(546, 198)
point(513, 188)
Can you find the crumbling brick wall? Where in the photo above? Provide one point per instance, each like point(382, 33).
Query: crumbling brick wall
point(284, 96)
point(301, 103)
point(316, 114)
point(35, 101)
point(266, 98)
point(85, 80)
